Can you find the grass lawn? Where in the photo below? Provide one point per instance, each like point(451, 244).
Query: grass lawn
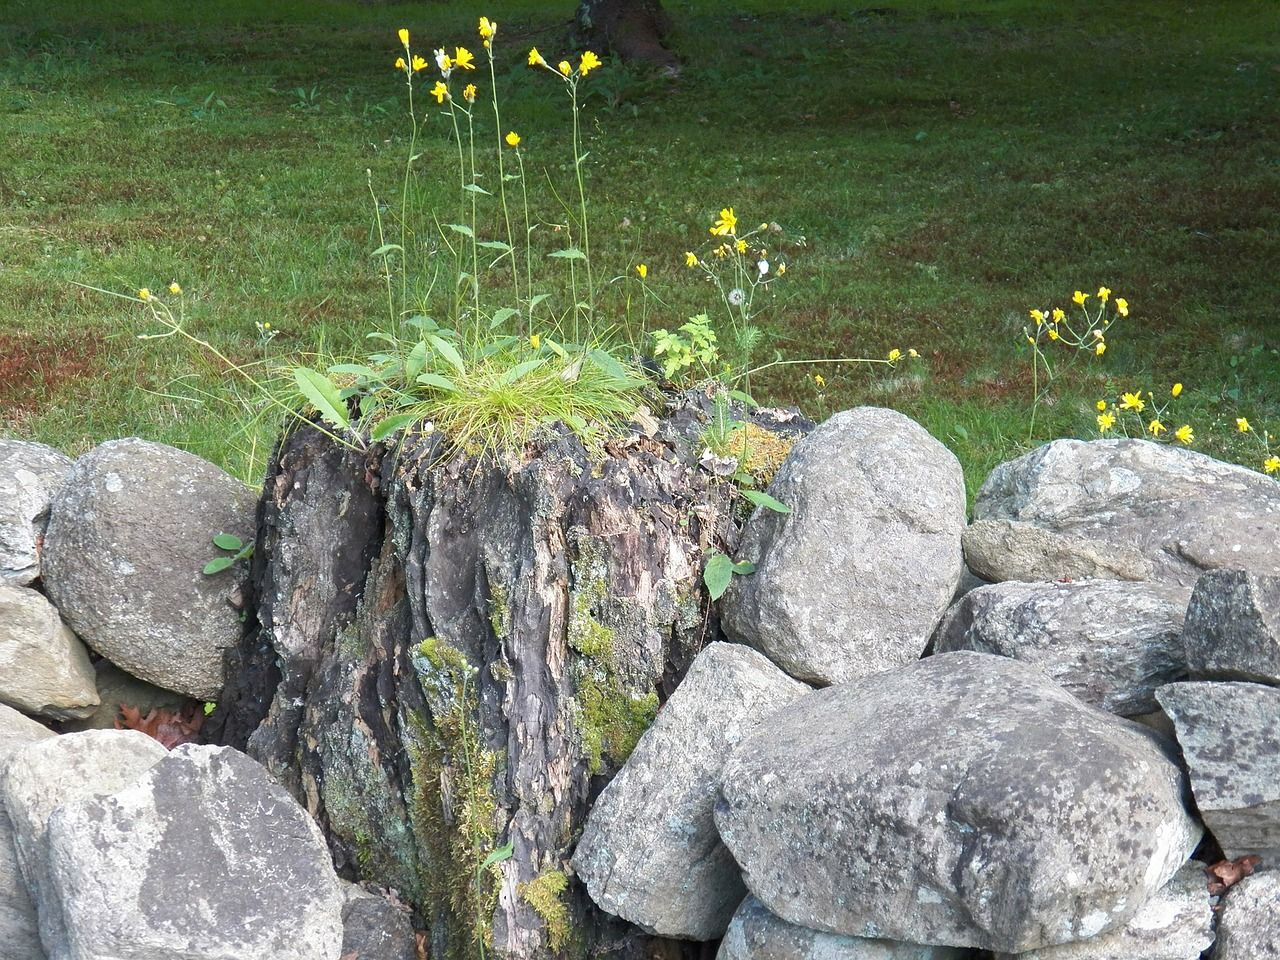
point(938, 167)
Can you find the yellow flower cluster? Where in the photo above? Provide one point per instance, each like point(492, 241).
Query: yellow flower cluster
point(1132, 404)
point(588, 62)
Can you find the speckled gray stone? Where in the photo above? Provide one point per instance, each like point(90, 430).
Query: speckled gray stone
point(856, 577)
point(1181, 510)
point(374, 928)
point(128, 536)
point(963, 800)
point(19, 928)
point(1230, 737)
point(1249, 925)
point(1109, 642)
point(117, 688)
point(756, 934)
point(44, 668)
point(1232, 630)
point(1003, 549)
point(649, 852)
point(204, 857)
point(30, 473)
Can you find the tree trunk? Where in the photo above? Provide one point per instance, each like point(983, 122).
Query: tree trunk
point(633, 29)
point(452, 658)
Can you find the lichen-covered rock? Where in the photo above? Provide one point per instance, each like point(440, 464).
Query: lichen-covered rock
point(1003, 549)
point(1175, 924)
point(1230, 737)
point(1249, 925)
point(19, 929)
point(146, 514)
point(856, 577)
point(30, 473)
point(40, 777)
point(1181, 510)
point(1232, 630)
point(204, 857)
point(44, 668)
point(374, 928)
point(756, 934)
point(650, 852)
point(116, 689)
point(1109, 642)
point(963, 800)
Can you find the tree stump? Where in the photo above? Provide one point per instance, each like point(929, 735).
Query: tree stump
point(452, 656)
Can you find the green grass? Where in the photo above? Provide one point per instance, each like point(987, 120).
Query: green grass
point(948, 165)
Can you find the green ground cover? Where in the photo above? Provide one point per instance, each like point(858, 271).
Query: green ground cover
point(939, 168)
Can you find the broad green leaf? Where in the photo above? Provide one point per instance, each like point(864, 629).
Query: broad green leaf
point(518, 371)
point(416, 360)
point(717, 575)
point(744, 567)
point(376, 335)
point(495, 245)
point(387, 248)
point(558, 350)
point(743, 397)
point(227, 541)
point(437, 381)
point(571, 253)
point(217, 565)
point(762, 499)
point(449, 352)
point(537, 299)
point(356, 369)
point(960, 431)
point(497, 856)
point(497, 346)
point(461, 228)
point(476, 188)
point(501, 316)
point(390, 425)
point(609, 364)
point(323, 395)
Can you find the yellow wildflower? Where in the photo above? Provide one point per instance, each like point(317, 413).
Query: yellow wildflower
point(462, 58)
point(419, 63)
point(1079, 297)
point(895, 355)
point(564, 68)
point(535, 58)
point(1104, 294)
point(1053, 334)
point(782, 268)
point(469, 93)
point(144, 294)
point(1122, 306)
point(913, 354)
point(440, 92)
point(1184, 433)
point(1101, 405)
point(487, 28)
point(1155, 428)
point(174, 288)
point(589, 62)
point(642, 270)
point(1177, 389)
point(1242, 425)
point(400, 64)
point(535, 341)
point(1132, 401)
point(404, 37)
point(1105, 422)
point(721, 251)
point(1100, 349)
point(1059, 315)
point(820, 380)
point(1271, 464)
point(741, 246)
point(513, 139)
point(726, 224)
point(690, 258)
point(1037, 316)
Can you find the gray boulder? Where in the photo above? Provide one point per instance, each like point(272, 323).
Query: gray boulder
point(374, 928)
point(145, 513)
point(38, 778)
point(44, 668)
point(1109, 642)
point(1230, 738)
point(1175, 924)
point(1184, 512)
point(204, 857)
point(856, 577)
point(998, 550)
point(19, 928)
point(963, 800)
point(116, 689)
point(1232, 630)
point(1249, 925)
point(756, 934)
point(650, 852)
point(30, 473)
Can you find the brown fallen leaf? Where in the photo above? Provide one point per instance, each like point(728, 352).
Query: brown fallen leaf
point(420, 944)
point(1227, 873)
point(170, 728)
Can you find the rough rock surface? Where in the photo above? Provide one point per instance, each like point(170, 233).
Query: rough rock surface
point(44, 668)
point(19, 931)
point(29, 475)
point(117, 688)
point(37, 779)
point(1230, 737)
point(756, 934)
point(204, 857)
point(1181, 510)
point(1232, 630)
point(856, 577)
point(146, 513)
point(962, 800)
point(1249, 926)
point(650, 852)
point(1175, 924)
point(374, 928)
point(1109, 642)
point(999, 550)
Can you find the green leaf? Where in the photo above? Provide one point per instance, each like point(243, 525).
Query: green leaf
point(322, 394)
point(609, 364)
point(501, 316)
point(497, 346)
point(572, 253)
point(386, 248)
point(743, 397)
point(435, 380)
point(416, 360)
point(717, 575)
point(390, 425)
point(227, 541)
point(476, 188)
point(537, 299)
point(762, 499)
point(498, 855)
point(518, 371)
point(744, 567)
point(449, 352)
point(217, 565)
point(495, 245)
point(210, 707)
point(357, 369)
point(461, 228)
point(960, 431)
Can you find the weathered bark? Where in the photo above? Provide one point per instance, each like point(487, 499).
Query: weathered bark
point(457, 655)
point(633, 29)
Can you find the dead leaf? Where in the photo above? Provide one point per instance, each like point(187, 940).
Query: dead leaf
point(1227, 873)
point(420, 944)
point(170, 728)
